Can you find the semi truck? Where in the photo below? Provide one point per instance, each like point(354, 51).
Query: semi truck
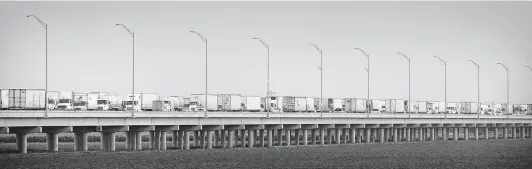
point(197, 102)
point(65, 101)
point(229, 102)
point(80, 101)
point(251, 103)
point(53, 99)
point(4, 99)
point(132, 102)
point(109, 101)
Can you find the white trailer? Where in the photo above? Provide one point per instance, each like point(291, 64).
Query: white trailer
point(178, 102)
point(300, 104)
point(229, 102)
point(26, 99)
point(414, 107)
point(276, 104)
point(361, 105)
point(452, 108)
point(92, 101)
point(65, 101)
point(441, 107)
point(474, 107)
point(251, 103)
point(423, 107)
point(146, 101)
point(378, 106)
point(400, 106)
point(4, 99)
point(53, 99)
point(336, 105)
point(132, 102)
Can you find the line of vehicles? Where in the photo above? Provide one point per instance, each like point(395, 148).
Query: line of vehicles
point(33, 99)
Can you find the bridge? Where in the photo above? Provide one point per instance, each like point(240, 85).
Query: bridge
point(219, 129)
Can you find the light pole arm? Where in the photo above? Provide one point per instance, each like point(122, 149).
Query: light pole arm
point(127, 29)
point(39, 20)
point(263, 44)
point(445, 63)
point(474, 63)
point(503, 66)
point(319, 50)
point(202, 38)
point(529, 68)
point(365, 54)
point(406, 57)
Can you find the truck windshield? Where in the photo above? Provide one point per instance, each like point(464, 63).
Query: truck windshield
point(80, 104)
point(102, 101)
point(64, 100)
point(166, 102)
point(130, 102)
point(50, 101)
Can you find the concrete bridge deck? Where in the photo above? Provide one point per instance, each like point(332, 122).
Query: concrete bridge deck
point(221, 128)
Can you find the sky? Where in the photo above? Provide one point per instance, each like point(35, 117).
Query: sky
point(87, 52)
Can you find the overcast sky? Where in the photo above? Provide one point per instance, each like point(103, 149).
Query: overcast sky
point(87, 52)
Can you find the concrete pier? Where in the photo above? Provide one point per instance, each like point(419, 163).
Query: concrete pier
point(262, 137)
point(80, 141)
point(305, 137)
point(186, 139)
point(455, 134)
point(270, 138)
point(181, 140)
point(223, 137)
point(433, 134)
point(230, 138)
point(174, 139)
point(338, 136)
point(313, 136)
point(242, 138)
point(352, 135)
point(514, 132)
point(486, 133)
point(381, 138)
point(476, 133)
point(505, 133)
point(322, 137)
point(522, 132)
point(368, 135)
point(52, 141)
point(496, 133)
point(287, 137)
point(408, 138)
point(22, 143)
point(203, 134)
point(466, 133)
point(395, 135)
point(210, 134)
point(157, 140)
point(251, 138)
point(163, 141)
point(152, 140)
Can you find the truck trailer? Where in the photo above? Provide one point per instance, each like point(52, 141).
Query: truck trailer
point(26, 99)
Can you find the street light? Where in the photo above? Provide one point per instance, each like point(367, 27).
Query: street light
point(46, 62)
point(267, 75)
point(478, 85)
point(321, 71)
point(408, 59)
point(204, 40)
point(367, 70)
point(507, 88)
point(133, 88)
point(529, 68)
point(445, 65)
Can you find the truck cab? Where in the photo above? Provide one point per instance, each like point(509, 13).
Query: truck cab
point(64, 104)
point(129, 105)
point(80, 105)
point(102, 105)
point(52, 104)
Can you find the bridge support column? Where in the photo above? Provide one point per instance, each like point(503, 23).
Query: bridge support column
point(359, 135)
point(455, 134)
point(338, 136)
point(496, 133)
point(262, 137)
point(251, 138)
point(394, 135)
point(270, 138)
point(157, 140)
point(112, 141)
point(230, 139)
point(52, 141)
point(222, 138)
point(476, 133)
point(215, 139)
point(181, 140)
point(422, 134)
point(445, 133)
point(408, 138)
point(352, 135)
point(505, 133)
point(22, 143)
point(368, 135)
point(297, 133)
point(386, 135)
point(138, 141)
point(305, 137)
point(242, 138)
point(514, 132)
point(329, 136)
point(129, 141)
point(163, 140)
point(486, 133)
point(187, 140)
point(313, 136)
point(152, 140)
point(287, 137)
point(174, 139)
point(433, 134)
point(210, 138)
point(466, 133)
point(522, 131)
point(381, 138)
point(345, 134)
point(202, 139)
point(322, 137)
point(80, 141)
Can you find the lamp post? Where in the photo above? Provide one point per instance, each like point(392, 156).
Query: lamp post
point(205, 41)
point(266, 105)
point(445, 65)
point(133, 88)
point(45, 26)
point(478, 85)
point(529, 68)
point(409, 98)
point(321, 71)
point(367, 70)
point(507, 88)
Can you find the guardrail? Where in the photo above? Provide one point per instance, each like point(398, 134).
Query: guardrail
point(157, 114)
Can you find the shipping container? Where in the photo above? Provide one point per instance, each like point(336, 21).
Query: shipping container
point(361, 105)
point(400, 106)
point(289, 104)
point(321, 106)
point(441, 107)
point(80, 101)
point(465, 108)
point(251, 103)
point(4, 99)
point(229, 102)
point(423, 107)
point(300, 104)
point(197, 102)
point(146, 101)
